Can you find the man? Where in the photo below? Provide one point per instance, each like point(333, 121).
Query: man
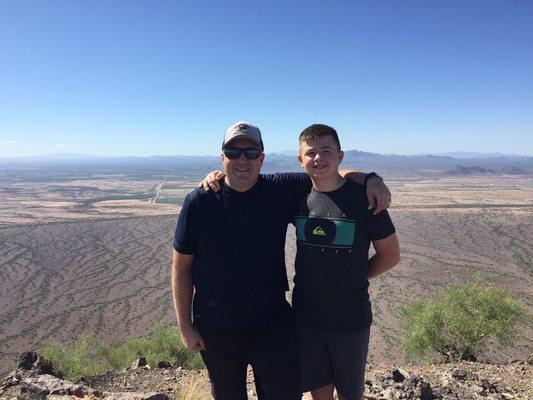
point(334, 229)
point(229, 247)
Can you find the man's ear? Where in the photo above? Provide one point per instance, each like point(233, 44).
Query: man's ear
point(341, 156)
point(300, 159)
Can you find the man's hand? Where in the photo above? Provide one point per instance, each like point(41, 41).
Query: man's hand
point(211, 181)
point(191, 339)
point(378, 194)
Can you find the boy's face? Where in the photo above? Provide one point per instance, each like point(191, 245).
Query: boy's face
point(320, 158)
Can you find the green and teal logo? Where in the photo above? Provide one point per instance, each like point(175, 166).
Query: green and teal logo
point(318, 231)
point(325, 232)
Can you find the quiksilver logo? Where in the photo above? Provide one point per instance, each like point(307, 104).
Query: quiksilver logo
point(318, 231)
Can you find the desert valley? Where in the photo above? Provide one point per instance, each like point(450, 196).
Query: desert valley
point(89, 253)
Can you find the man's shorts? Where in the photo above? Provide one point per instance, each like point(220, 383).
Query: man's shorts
point(270, 350)
point(336, 358)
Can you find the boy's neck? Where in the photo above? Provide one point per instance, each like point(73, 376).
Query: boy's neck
point(329, 184)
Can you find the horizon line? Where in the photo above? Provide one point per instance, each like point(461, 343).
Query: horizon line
point(279, 152)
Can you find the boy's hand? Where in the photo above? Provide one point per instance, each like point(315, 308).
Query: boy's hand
point(191, 338)
point(211, 181)
point(378, 194)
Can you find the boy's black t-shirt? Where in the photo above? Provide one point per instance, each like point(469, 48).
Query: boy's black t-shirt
point(334, 231)
point(238, 242)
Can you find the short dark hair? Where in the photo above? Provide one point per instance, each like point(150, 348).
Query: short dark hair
point(317, 131)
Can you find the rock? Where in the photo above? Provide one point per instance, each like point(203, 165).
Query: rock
point(446, 379)
point(397, 376)
point(50, 384)
point(460, 374)
point(139, 363)
point(27, 360)
point(479, 390)
point(31, 361)
point(488, 385)
point(164, 364)
point(135, 396)
point(10, 380)
point(469, 357)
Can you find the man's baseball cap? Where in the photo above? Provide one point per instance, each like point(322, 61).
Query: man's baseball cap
point(245, 130)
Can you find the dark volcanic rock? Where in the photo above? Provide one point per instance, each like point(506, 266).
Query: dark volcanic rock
point(164, 364)
point(31, 361)
point(27, 360)
point(139, 363)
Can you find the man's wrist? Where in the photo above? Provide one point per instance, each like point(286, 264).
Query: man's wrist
point(185, 325)
point(371, 175)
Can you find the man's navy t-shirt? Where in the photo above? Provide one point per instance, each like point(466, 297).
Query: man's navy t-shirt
point(238, 242)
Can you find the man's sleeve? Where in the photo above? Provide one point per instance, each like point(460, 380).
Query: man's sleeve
point(379, 226)
point(295, 183)
point(185, 235)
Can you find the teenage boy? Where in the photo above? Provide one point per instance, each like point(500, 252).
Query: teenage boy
point(229, 253)
point(334, 229)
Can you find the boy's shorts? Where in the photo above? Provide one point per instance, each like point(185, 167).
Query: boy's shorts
point(336, 358)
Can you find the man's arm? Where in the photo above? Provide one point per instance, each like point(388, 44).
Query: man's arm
point(182, 290)
point(378, 194)
point(386, 257)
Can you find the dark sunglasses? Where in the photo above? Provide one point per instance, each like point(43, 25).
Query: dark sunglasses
point(251, 153)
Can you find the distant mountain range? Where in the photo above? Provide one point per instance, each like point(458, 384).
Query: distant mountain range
point(470, 154)
point(389, 164)
point(475, 170)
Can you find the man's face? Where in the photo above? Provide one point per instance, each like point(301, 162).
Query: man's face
point(320, 158)
point(242, 173)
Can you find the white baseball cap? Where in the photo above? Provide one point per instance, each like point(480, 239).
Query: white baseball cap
point(243, 129)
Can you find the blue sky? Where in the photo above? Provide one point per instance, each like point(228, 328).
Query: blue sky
point(167, 77)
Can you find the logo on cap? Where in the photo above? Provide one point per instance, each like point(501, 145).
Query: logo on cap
point(242, 128)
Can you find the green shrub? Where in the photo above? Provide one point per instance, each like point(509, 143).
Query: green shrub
point(165, 344)
point(457, 323)
point(116, 355)
point(80, 359)
point(88, 356)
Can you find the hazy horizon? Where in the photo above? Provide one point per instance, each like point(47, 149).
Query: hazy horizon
point(286, 152)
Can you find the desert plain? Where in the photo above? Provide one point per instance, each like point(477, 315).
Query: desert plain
point(90, 253)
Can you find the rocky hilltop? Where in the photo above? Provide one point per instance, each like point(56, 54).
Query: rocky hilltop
point(34, 379)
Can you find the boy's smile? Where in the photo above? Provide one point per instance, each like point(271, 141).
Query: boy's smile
point(320, 158)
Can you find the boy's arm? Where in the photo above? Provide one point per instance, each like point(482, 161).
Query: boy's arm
point(386, 257)
point(182, 290)
point(378, 194)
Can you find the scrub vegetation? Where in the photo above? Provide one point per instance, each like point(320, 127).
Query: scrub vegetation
point(88, 356)
point(458, 322)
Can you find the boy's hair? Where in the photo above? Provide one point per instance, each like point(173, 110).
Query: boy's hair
point(317, 131)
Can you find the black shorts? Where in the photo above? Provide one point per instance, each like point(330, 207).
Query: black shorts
point(336, 358)
point(270, 350)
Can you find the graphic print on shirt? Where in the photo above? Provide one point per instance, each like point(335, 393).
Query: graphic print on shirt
point(325, 232)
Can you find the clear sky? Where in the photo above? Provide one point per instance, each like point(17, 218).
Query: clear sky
point(167, 77)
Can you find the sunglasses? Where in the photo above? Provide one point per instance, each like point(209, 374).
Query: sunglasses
point(251, 153)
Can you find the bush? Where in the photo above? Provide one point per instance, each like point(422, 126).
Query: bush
point(457, 323)
point(165, 345)
point(80, 359)
point(88, 356)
